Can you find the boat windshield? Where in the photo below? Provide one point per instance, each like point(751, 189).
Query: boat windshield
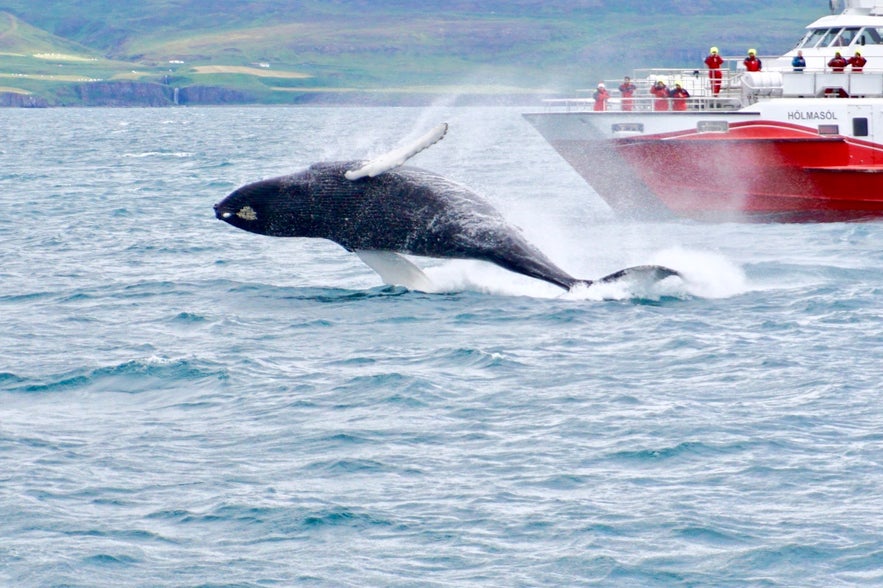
point(846, 37)
point(871, 36)
point(812, 38)
point(829, 36)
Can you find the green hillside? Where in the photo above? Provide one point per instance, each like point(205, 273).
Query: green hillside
point(278, 51)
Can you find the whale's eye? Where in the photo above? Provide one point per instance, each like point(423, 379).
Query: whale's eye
point(247, 213)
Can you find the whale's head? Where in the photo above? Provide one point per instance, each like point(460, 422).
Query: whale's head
point(276, 207)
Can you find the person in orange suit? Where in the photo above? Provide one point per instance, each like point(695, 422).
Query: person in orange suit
point(857, 62)
point(679, 97)
point(752, 63)
point(660, 91)
point(627, 89)
point(714, 62)
point(838, 63)
point(601, 95)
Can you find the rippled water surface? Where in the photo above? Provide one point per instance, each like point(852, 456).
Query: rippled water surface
point(185, 404)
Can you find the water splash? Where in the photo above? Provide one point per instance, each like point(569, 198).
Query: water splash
point(477, 276)
point(706, 274)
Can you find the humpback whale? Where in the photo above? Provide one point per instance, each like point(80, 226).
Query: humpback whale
point(381, 209)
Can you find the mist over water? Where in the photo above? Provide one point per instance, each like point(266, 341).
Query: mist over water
point(183, 403)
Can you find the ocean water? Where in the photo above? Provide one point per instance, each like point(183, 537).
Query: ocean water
point(185, 404)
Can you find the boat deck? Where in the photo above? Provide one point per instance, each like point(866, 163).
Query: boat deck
point(738, 88)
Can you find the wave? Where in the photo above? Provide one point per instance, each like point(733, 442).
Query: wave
point(281, 519)
point(175, 154)
point(132, 377)
point(689, 450)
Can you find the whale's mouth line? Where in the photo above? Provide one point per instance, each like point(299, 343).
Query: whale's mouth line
point(221, 213)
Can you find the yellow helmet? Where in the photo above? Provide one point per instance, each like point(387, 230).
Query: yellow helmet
point(858, 53)
point(751, 52)
point(713, 50)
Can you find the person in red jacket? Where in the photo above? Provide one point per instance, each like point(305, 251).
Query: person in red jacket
point(627, 89)
point(679, 97)
point(661, 92)
point(714, 62)
point(601, 95)
point(838, 63)
point(857, 62)
point(752, 63)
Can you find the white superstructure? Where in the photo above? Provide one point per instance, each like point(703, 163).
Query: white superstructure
point(857, 27)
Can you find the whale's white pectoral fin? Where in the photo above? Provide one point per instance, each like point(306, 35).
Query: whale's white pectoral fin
point(396, 270)
point(397, 157)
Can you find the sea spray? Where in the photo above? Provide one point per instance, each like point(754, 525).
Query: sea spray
point(706, 274)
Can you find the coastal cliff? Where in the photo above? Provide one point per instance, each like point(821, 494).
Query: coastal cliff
point(132, 93)
point(16, 99)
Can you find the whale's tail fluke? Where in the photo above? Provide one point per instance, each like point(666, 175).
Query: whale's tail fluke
point(640, 276)
point(648, 273)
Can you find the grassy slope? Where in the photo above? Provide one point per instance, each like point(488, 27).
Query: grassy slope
point(18, 37)
point(34, 61)
point(345, 45)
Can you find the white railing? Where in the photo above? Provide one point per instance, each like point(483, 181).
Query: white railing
point(737, 88)
point(819, 83)
point(642, 104)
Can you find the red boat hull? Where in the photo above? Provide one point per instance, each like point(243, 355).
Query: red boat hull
point(755, 171)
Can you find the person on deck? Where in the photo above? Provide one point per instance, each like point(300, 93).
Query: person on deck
point(679, 97)
point(627, 89)
point(838, 63)
point(601, 95)
point(661, 92)
point(752, 63)
point(714, 62)
point(798, 63)
point(857, 62)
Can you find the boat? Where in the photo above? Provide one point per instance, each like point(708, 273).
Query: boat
point(775, 145)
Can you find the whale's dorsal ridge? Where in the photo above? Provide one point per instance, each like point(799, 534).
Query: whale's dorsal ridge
point(399, 156)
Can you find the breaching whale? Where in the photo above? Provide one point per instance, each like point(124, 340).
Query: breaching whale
point(380, 210)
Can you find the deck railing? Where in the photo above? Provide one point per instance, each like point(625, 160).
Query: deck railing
point(641, 104)
point(737, 89)
point(820, 83)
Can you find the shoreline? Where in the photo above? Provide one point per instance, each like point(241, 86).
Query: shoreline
point(148, 94)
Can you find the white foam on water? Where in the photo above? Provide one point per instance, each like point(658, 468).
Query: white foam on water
point(706, 274)
point(480, 276)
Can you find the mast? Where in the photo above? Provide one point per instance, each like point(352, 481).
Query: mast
point(867, 7)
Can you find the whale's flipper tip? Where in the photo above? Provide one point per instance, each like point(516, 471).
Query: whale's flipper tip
point(396, 270)
point(398, 157)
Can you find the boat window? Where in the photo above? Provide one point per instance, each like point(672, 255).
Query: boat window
point(813, 37)
point(846, 37)
point(860, 127)
point(712, 126)
point(829, 129)
point(803, 40)
point(871, 36)
point(829, 36)
point(627, 127)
